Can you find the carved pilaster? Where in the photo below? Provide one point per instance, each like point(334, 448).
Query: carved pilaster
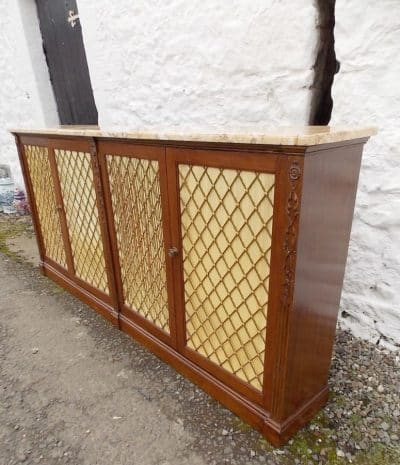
point(293, 213)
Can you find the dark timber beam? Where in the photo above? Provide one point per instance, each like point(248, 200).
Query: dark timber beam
point(326, 65)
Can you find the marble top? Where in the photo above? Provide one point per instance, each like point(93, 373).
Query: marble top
point(301, 136)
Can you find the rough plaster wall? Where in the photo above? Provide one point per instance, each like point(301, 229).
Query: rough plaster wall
point(200, 65)
point(26, 97)
point(367, 90)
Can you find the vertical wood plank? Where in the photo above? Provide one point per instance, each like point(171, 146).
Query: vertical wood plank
point(283, 266)
point(168, 243)
point(66, 59)
point(105, 182)
point(104, 225)
point(176, 241)
point(61, 211)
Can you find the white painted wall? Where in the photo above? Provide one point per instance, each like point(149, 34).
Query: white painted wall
point(367, 90)
point(200, 65)
point(26, 98)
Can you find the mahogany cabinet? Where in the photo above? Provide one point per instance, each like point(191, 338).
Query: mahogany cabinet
point(225, 259)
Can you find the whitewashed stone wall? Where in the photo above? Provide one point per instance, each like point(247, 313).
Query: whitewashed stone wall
point(367, 90)
point(26, 98)
point(200, 65)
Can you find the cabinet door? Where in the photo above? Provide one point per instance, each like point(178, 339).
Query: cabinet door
point(222, 229)
point(76, 180)
point(134, 177)
point(44, 202)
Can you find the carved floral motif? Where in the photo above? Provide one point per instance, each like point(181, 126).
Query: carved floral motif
point(292, 212)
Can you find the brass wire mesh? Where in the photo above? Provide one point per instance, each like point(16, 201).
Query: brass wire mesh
point(79, 196)
point(226, 218)
point(46, 206)
point(136, 200)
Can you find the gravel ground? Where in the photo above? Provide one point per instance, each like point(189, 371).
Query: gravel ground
point(76, 390)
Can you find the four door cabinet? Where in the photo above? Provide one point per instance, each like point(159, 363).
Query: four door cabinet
point(223, 254)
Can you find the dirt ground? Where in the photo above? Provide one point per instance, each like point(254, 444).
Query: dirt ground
point(76, 390)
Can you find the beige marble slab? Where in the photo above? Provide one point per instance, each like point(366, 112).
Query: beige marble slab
point(302, 136)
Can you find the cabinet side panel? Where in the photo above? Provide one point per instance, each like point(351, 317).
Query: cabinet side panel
point(328, 197)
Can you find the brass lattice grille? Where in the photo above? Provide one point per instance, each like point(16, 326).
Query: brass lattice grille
point(43, 189)
point(136, 200)
point(79, 196)
point(226, 231)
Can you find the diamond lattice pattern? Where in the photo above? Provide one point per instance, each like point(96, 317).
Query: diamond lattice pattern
point(43, 189)
point(226, 229)
point(136, 200)
point(79, 196)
